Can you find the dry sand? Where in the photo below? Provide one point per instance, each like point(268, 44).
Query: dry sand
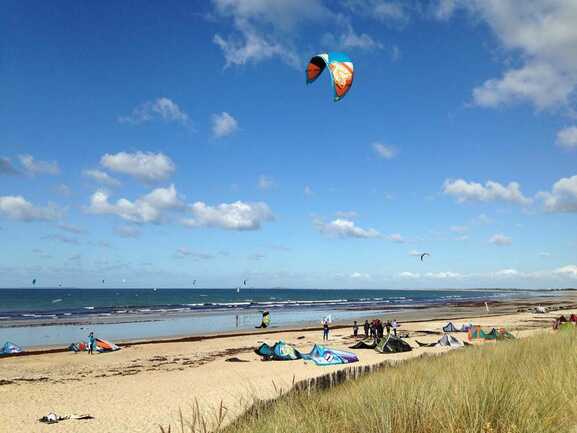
point(144, 385)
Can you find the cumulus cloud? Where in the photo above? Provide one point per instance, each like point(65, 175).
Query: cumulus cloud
point(6, 167)
point(145, 166)
point(472, 191)
point(161, 109)
point(33, 166)
point(383, 151)
point(229, 216)
point(101, 177)
point(563, 196)
point(264, 30)
point(567, 271)
point(344, 228)
point(500, 240)
point(567, 137)
point(223, 124)
point(20, 209)
point(265, 182)
point(146, 209)
point(544, 36)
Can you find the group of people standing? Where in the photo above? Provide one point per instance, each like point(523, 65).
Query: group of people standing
point(377, 328)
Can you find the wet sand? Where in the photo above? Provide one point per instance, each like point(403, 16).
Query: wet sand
point(145, 384)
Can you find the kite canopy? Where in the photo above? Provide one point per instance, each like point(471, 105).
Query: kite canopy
point(279, 352)
point(10, 348)
point(321, 355)
point(341, 70)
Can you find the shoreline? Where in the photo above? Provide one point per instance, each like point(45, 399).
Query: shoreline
point(405, 315)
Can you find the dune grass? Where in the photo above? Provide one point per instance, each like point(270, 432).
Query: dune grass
point(523, 386)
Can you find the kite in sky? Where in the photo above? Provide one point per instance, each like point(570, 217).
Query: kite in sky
point(341, 70)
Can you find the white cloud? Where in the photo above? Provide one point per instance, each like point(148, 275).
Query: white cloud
point(396, 237)
point(392, 12)
point(567, 137)
point(33, 166)
point(6, 167)
point(127, 231)
point(145, 166)
point(473, 191)
point(360, 276)
point(265, 182)
point(563, 196)
point(443, 275)
point(161, 108)
point(544, 36)
point(349, 39)
point(347, 214)
point(343, 228)
point(507, 273)
point(223, 124)
point(264, 30)
point(230, 216)
point(101, 177)
point(500, 240)
point(146, 209)
point(567, 271)
point(409, 275)
point(18, 208)
point(383, 151)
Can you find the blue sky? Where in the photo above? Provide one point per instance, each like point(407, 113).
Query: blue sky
point(153, 144)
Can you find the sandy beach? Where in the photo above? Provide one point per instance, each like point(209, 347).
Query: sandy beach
point(145, 385)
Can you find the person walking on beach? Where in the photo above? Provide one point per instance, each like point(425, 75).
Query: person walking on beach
point(91, 343)
point(355, 329)
point(395, 325)
point(380, 329)
point(325, 330)
point(388, 326)
point(366, 327)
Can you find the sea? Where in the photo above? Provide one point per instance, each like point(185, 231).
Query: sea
point(51, 317)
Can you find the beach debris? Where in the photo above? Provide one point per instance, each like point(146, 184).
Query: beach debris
point(341, 71)
point(235, 359)
point(52, 418)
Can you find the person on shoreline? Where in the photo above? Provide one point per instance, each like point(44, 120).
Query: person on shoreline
point(366, 327)
point(91, 343)
point(325, 330)
point(355, 329)
point(395, 325)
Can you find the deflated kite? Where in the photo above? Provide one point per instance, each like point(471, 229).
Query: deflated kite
point(341, 70)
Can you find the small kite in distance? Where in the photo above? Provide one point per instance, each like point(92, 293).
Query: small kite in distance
point(423, 256)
